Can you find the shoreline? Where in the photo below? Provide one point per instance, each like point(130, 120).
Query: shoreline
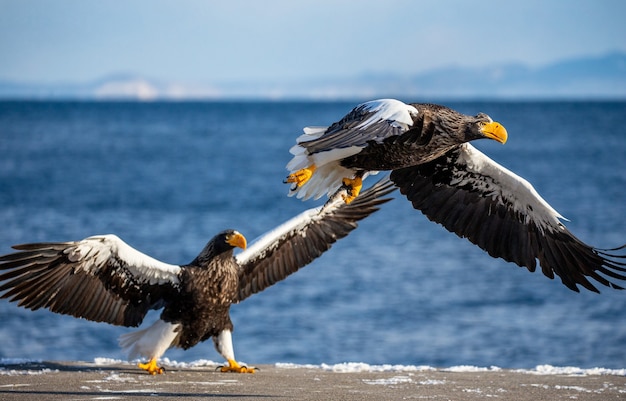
point(61, 380)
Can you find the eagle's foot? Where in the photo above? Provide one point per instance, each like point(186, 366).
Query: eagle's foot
point(301, 176)
point(353, 188)
point(151, 367)
point(234, 367)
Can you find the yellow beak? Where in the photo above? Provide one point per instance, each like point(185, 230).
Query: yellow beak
point(495, 130)
point(237, 240)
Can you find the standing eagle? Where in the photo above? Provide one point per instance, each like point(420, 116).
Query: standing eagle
point(427, 148)
point(103, 279)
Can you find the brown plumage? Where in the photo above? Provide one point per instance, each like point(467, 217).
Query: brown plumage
point(427, 149)
point(379, 135)
point(103, 279)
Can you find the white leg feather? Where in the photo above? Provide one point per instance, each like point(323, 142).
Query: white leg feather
point(224, 345)
point(151, 342)
point(325, 181)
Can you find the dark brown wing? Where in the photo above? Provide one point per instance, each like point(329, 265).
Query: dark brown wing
point(100, 278)
point(371, 121)
point(474, 197)
point(300, 240)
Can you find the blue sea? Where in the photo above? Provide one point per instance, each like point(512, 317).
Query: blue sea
point(166, 177)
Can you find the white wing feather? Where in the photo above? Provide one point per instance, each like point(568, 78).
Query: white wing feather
point(266, 241)
point(92, 253)
point(510, 183)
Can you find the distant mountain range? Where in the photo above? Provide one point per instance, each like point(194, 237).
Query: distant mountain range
point(602, 77)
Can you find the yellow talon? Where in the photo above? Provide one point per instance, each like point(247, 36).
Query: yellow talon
point(353, 188)
point(300, 177)
point(151, 367)
point(234, 367)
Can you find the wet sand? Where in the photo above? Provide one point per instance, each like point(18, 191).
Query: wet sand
point(88, 381)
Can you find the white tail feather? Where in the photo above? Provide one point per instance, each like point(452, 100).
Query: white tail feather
point(311, 133)
point(151, 342)
point(326, 180)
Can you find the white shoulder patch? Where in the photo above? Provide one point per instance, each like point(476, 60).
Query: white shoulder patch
point(389, 109)
point(266, 241)
point(512, 186)
point(93, 253)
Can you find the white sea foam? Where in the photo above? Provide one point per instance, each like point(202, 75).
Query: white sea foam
point(575, 388)
point(162, 361)
point(109, 361)
point(200, 363)
point(20, 372)
point(572, 370)
point(390, 381)
point(355, 367)
point(352, 367)
point(469, 368)
point(432, 382)
point(346, 367)
point(20, 361)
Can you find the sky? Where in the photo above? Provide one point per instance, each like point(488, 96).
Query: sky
point(44, 41)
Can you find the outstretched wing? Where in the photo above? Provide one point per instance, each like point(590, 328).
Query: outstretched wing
point(371, 121)
point(100, 278)
point(295, 243)
point(474, 197)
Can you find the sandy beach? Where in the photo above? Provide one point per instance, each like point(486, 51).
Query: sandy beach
point(121, 381)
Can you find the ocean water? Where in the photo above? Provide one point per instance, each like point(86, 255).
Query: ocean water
point(166, 177)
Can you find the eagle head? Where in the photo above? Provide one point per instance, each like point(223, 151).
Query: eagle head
point(225, 241)
point(482, 126)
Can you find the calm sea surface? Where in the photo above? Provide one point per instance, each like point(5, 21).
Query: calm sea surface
point(166, 177)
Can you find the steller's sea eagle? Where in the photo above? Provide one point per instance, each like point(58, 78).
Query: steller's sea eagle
point(427, 149)
point(103, 279)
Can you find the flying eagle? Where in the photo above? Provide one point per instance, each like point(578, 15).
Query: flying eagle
point(427, 149)
point(384, 134)
point(103, 279)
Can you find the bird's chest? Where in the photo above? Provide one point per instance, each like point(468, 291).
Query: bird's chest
point(207, 288)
